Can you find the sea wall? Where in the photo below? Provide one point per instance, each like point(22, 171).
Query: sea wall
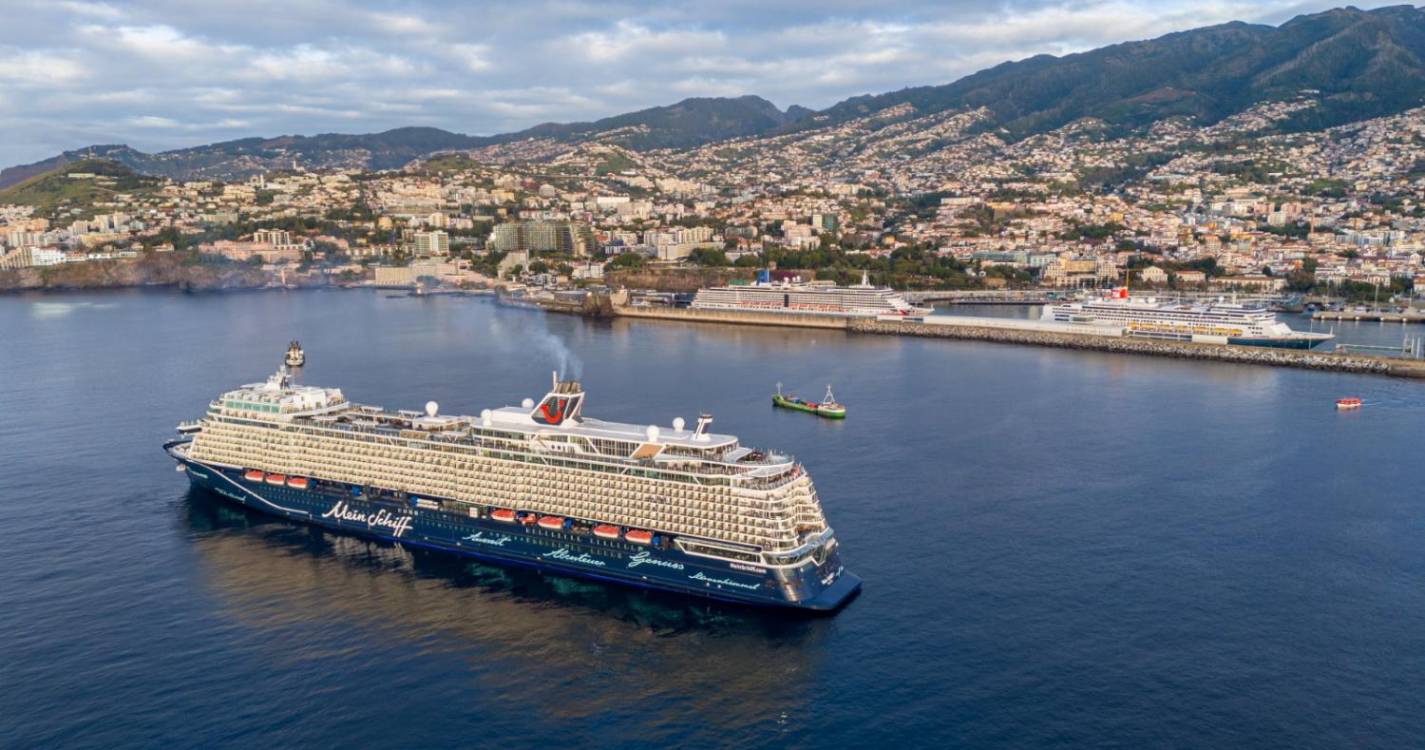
point(1306, 359)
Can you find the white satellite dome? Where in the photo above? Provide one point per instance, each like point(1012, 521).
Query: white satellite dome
point(485, 417)
point(431, 408)
point(678, 424)
point(527, 403)
point(652, 433)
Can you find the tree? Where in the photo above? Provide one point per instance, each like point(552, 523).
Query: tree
point(750, 261)
point(627, 261)
point(708, 257)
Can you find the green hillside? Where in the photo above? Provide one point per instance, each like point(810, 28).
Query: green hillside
point(75, 189)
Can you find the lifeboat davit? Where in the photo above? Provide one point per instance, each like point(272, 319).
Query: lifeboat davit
point(502, 514)
point(277, 479)
point(553, 523)
point(605, 531)
point(297, 483)
point(1350, 402)
point(253, 475)
point(639, 537)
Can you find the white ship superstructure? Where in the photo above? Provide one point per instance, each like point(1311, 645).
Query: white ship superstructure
point(1213, 322)
point(861, 300)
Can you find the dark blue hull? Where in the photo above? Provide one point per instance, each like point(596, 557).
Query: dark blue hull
point(1277, 343)
point(816, 586)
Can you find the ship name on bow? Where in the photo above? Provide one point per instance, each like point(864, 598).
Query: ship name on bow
point(582, 557)
point(398, 525)
point(644, 558)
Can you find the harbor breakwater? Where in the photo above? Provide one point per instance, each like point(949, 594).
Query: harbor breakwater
point(1300, 358)
point(1033, 333)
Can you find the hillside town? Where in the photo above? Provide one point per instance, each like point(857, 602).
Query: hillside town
point(924, 202)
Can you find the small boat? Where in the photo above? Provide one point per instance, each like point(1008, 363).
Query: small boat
point(253, 475)
point(638, 536)
point(528, 519)
point(277, 479)
point(297, 483)
point(605, 531)
point(502, 514)
point(553, 523)
point(1349, 402)
point(295, 357)
point(827, 407)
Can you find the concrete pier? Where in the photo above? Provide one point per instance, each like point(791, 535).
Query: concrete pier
point(1038, 333)
point(1039, 336)
point(1384, 317)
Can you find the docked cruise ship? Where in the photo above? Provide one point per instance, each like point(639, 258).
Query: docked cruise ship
point(1215, 322)
point(538, 485)
point(862, 300)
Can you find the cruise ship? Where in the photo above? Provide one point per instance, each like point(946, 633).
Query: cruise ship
point(862, 300)
point(1216, 322)
point(540, 485)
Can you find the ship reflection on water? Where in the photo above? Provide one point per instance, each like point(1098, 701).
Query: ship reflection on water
point(534, 629)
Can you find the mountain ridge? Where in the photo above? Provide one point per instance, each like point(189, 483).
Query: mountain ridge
point(688, 123)
point(1363, 64)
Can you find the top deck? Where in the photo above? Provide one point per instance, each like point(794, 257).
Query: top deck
point(556, 420)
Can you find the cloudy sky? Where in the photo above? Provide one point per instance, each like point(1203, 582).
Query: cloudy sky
point(160, 74)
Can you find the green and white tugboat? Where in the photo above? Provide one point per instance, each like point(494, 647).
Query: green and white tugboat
point(827, 407)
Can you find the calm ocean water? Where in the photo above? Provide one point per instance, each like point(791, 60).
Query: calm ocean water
point(1060, 549)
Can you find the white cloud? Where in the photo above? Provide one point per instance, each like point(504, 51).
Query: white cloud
point(628, 39)
point(153, 121)
point(159, 42)
point(309, 63)
point(473, 57)
point(169, 123)
point(93, 10)
point(38, 68)
point(398, 23)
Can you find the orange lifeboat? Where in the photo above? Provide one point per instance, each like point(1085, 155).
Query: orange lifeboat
point(605, 531)
point(553, 523)
point(253, 475)
point(639, 537)
point(504, 515)
point(297, 483)
point(1350, 402)
point(528, 519)
point(277, 479)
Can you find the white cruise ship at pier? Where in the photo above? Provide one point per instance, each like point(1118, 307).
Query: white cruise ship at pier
point(1218, 322)
point(861, 300)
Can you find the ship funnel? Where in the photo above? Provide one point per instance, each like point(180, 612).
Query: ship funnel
point(561, 405)
point(701, 431)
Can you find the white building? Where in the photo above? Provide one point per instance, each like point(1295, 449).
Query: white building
point(432, 243)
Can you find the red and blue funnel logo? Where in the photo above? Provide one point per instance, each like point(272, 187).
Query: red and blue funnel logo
point(555, 409)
